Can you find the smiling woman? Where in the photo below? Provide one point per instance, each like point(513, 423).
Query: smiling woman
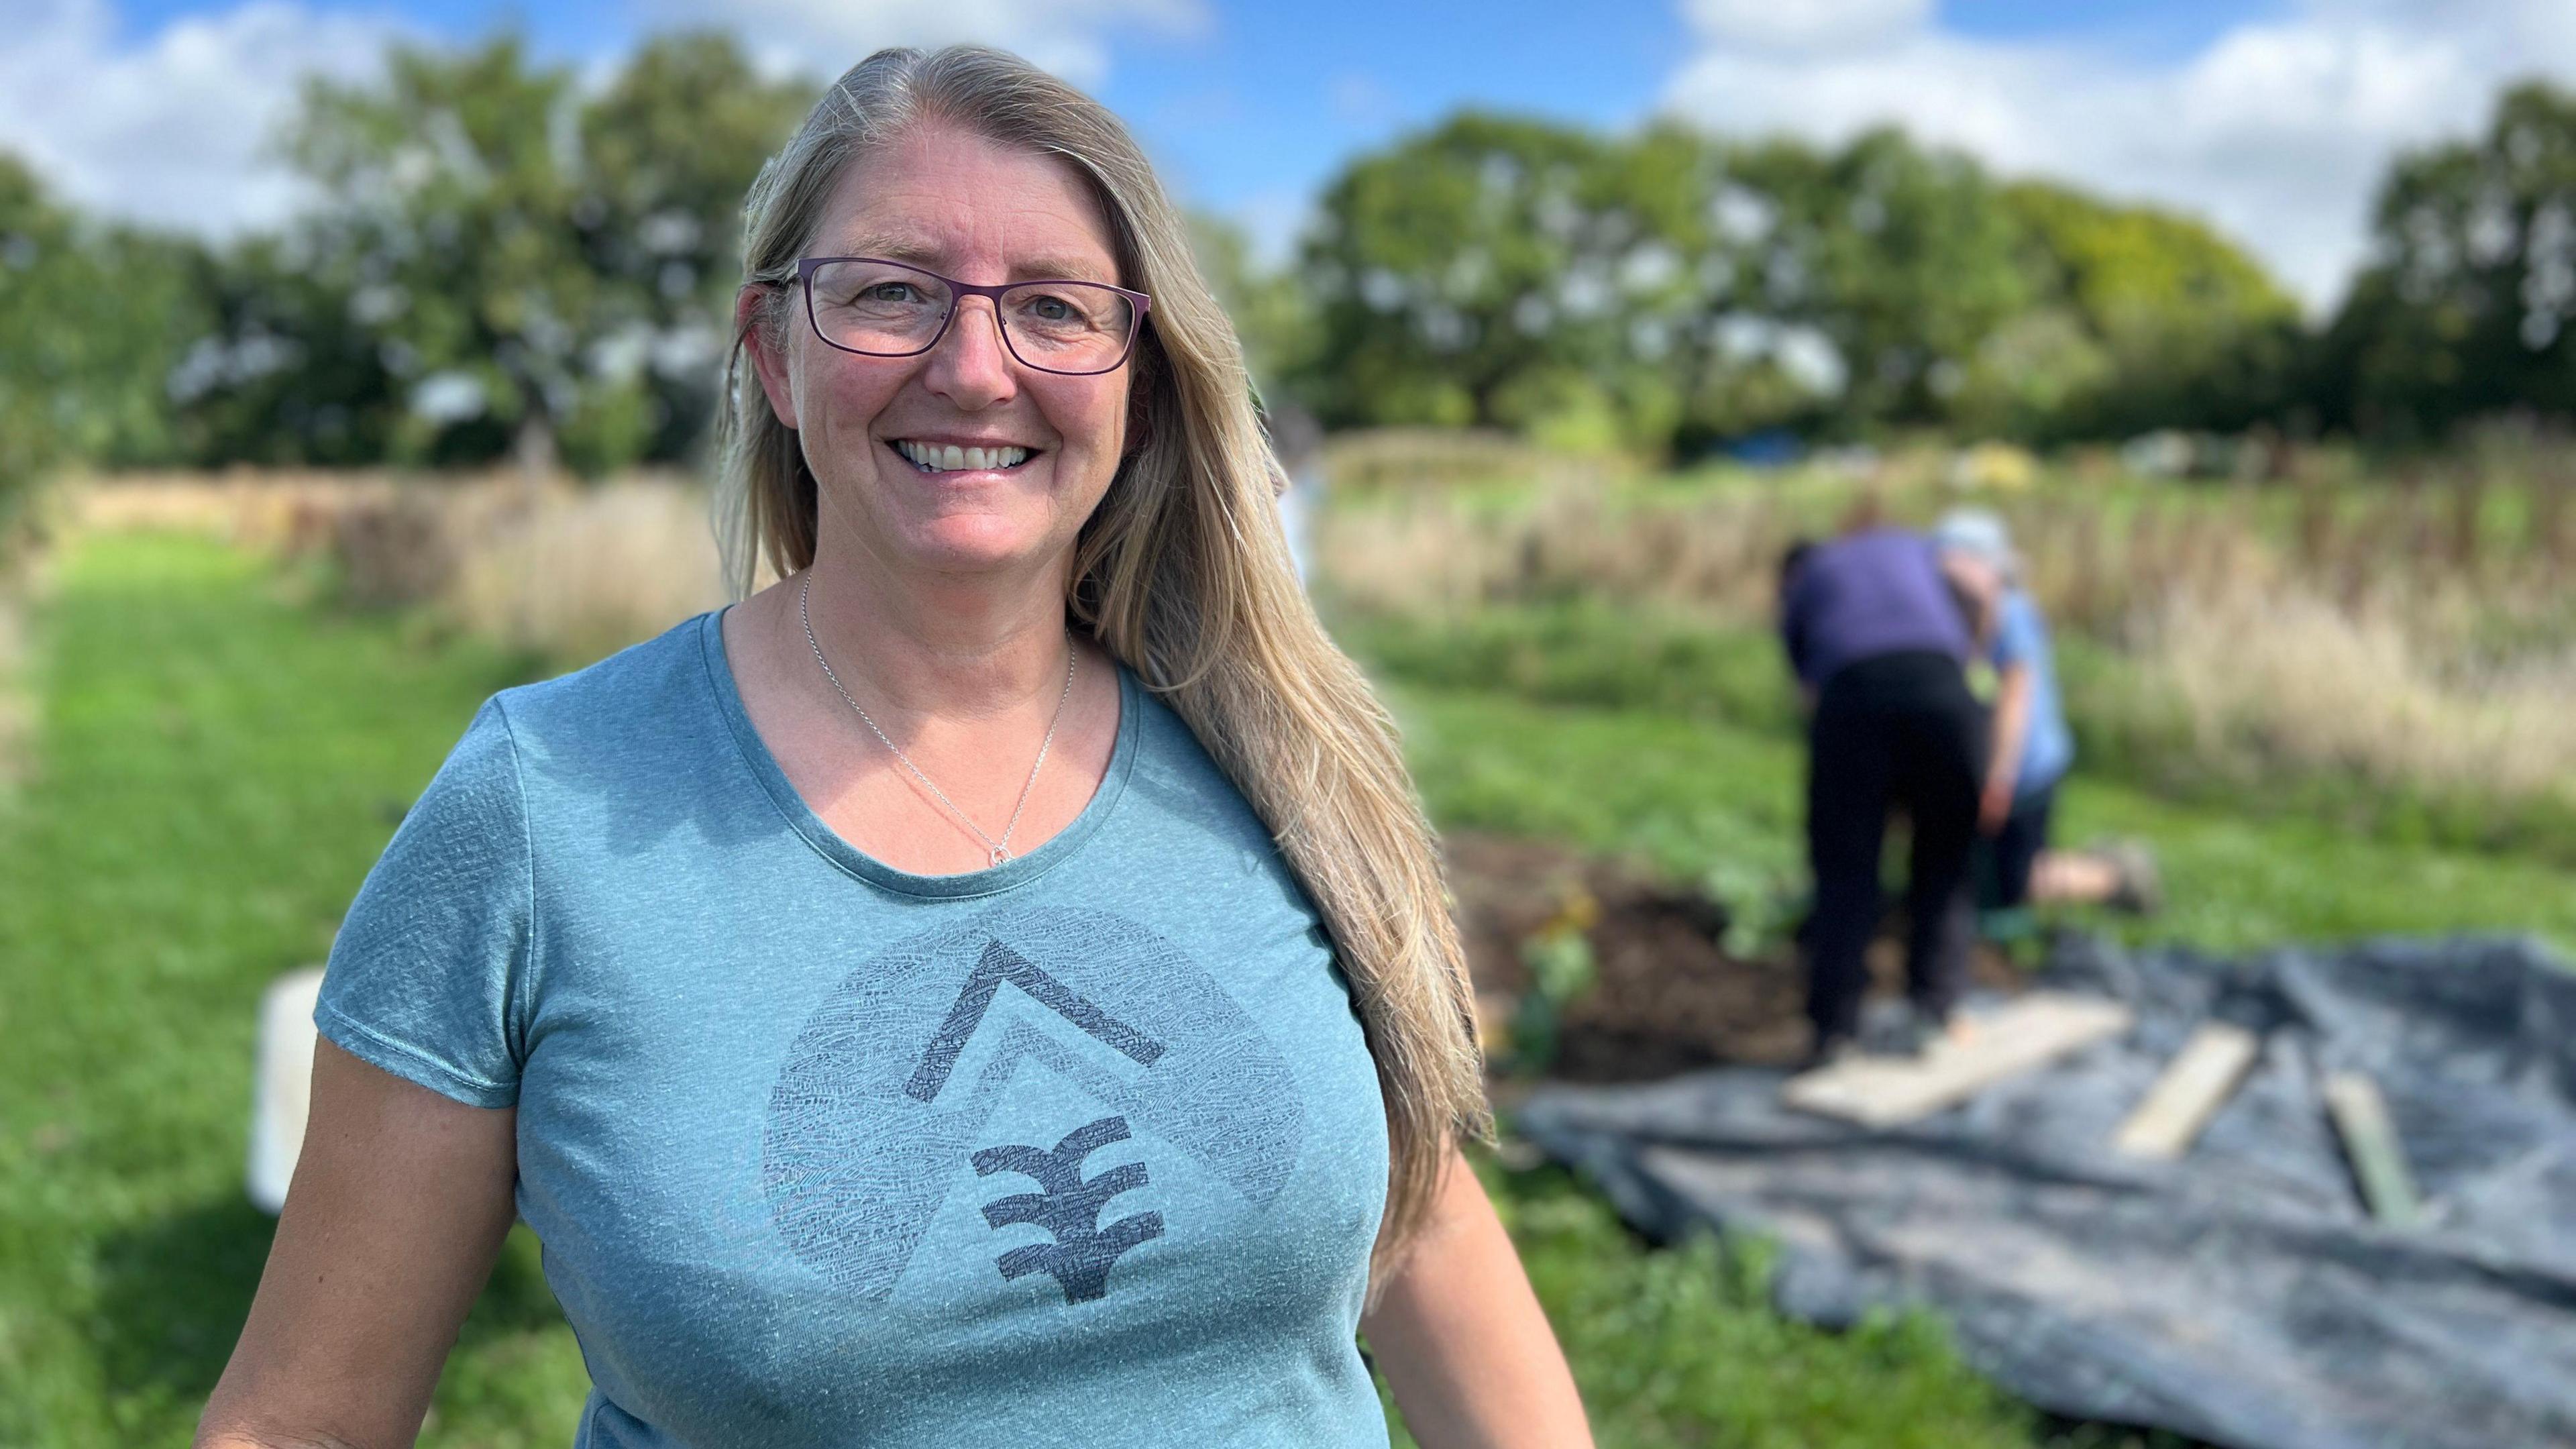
point(698, 957)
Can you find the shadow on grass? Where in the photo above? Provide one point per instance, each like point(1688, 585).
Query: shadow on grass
point(172, 1297)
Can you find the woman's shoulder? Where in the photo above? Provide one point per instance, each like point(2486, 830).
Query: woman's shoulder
point(633, 703)
point(1180, 780)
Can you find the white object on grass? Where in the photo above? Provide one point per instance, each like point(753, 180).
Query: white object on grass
point(282, 1090)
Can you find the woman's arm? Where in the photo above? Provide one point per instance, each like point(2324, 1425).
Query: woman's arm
point(1462, 1340)
point(2003, 762)
point(400, 1201)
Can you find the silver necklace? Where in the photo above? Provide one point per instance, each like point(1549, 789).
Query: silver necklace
point(997, 851)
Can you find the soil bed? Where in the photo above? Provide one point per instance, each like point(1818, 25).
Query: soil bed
point(1666, 997)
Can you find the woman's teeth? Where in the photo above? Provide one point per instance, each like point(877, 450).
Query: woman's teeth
point(949, 458)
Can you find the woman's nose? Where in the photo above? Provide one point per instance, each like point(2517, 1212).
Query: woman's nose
point(972, 364)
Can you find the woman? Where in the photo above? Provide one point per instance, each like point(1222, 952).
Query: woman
point(1879, 649)
point(991, 985)
point(2030, 748)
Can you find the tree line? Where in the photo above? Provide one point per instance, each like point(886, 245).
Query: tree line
point(500, 260)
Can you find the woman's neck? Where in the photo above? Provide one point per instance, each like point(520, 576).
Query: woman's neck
point(917, 643)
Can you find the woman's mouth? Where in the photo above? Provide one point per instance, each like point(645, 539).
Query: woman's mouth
point(952, 458)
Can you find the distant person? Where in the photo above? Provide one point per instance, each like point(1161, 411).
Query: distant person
point(2030, 746)
point(1880, 650)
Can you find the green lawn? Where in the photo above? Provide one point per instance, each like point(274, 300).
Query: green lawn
point(220, 761)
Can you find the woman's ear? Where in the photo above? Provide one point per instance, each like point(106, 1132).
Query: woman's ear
point(751, 319)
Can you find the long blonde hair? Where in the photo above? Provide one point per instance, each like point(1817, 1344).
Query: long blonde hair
point(1182, 573)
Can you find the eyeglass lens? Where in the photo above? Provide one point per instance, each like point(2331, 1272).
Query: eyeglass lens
point(894, 311)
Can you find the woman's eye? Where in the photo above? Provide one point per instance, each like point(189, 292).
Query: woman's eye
point(888, 292)
point(1051, 309)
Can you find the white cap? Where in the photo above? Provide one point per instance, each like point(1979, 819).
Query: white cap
point(1977, 533)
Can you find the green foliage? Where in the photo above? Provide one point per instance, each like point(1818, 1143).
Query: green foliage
point(1500, 271)
point(2467, 310)
point(1269, 315)
point(1663, 290)
point(2141, 318)
point(91, 319)
point(1901, 257)
point(502, 262)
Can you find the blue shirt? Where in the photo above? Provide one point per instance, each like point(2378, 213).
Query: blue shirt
point(2047, 746)
point(1085, 1149)
point(1872, 593)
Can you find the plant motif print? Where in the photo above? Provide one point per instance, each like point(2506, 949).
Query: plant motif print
point(1068, 1207)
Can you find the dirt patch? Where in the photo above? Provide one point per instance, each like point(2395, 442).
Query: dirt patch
point(1666, 996)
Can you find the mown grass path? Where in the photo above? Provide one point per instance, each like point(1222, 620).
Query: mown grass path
point(219, 765)
point(216, 769)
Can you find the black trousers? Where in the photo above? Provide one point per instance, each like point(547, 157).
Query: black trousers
point(1894, 730)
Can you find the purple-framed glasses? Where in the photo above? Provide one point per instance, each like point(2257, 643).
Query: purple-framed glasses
point(879, 308)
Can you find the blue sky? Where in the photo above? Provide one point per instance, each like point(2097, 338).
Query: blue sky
point(2271, 118)
point(1255, 104)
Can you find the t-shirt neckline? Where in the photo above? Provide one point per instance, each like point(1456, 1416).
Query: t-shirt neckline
point(828, 842)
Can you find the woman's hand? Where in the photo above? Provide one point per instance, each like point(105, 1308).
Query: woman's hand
point(1462, 1340)
point(2011, 725)
point(400, 1201)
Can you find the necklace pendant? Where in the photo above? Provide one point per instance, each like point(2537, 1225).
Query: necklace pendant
point(1001, 853)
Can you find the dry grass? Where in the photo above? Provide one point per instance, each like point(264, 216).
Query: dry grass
point(2412, 633)
point(567, 571)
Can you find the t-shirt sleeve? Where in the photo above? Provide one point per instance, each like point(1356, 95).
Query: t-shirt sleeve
point(428, 977)
point(2017, 637)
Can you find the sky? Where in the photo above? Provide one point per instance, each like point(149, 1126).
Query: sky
point(2272, 119)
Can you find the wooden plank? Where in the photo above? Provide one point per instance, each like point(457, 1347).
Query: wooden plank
point(2370, 1140)
point(2023, 1036)
point(2193, 1087)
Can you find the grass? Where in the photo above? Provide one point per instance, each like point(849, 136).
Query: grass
point(221, 760)
point(217, 768)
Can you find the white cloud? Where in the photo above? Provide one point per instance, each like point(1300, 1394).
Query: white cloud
point(2276, 131)
point(1805, 24)
point(175, 130)
point(179, 128)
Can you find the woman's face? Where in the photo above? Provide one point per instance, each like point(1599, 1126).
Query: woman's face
point(954, 203)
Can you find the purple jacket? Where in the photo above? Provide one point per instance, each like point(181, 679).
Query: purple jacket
point(1873, 593)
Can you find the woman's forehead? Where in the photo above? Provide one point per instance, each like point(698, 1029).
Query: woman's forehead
point(947, 199)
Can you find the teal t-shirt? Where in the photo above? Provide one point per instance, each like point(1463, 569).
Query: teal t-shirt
point(1086, 1149)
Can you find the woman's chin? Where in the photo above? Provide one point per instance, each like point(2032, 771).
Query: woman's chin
point(973, 544)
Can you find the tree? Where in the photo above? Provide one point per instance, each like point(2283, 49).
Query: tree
point(2467, 305)
point(1903, 258)
point(1492, 271)
point(669, 149)
point(2138, 318)
point(94, 318)
point(539, 270)
point(1268, 309)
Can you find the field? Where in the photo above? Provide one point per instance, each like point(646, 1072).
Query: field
point(222, 743)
